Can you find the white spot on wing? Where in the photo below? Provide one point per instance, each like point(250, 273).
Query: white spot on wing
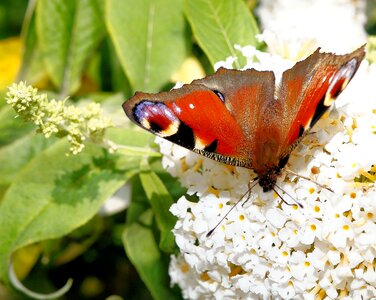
point(191, 106)
point(169, 114)
point(176, 108)
point(323, 79)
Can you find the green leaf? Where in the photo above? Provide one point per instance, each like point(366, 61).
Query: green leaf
point(160, 201)
point(32, 69)
point(133, 142)
point(68, 32)
point(117, 80)
point(139, 203)
point(130, 136)
point(29, 39)
point(145, 255)
point(2, 98)
point(54, 194)
point(12, 128)
point(220, 24)
point(16, 155)
point(138, 151)
point(171, 183)
point(150, 39)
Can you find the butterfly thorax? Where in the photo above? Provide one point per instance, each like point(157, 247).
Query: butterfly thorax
point(268, 179)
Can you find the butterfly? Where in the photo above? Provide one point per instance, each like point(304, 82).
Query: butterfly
point(241, 118)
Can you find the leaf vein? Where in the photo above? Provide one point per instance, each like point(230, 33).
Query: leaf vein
point(222, 30)
point(149, 43)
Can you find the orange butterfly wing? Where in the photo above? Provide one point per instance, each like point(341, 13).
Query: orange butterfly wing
point(215, 116)
point(240, 118)
point(309, 88)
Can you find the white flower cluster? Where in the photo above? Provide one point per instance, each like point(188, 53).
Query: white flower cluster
point(294, 28)
point(268, 249)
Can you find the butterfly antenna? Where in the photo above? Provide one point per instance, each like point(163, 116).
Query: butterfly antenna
point(296, 201)
point(309, 179)
point(248, 192)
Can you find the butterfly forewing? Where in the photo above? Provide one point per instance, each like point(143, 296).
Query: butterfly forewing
point(309, 88)
point(246, 94)
point(194, 117)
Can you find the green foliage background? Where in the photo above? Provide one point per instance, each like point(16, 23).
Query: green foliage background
point(95, 50)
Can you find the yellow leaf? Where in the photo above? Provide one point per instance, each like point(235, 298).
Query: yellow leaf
point(25, 258)
point(10, 60)
point(191, 69)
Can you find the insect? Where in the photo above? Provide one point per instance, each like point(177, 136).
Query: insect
point(242, 118)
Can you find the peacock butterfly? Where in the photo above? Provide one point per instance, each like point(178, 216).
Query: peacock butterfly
point(242, 118)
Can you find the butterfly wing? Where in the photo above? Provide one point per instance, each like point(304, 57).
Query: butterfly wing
point(249, 95)
point(234, 117)
point(308, 89)
point(214, 116)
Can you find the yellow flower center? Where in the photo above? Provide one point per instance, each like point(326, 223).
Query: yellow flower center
point(184, 268)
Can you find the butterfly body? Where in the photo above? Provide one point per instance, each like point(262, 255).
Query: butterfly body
point(241, 118)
